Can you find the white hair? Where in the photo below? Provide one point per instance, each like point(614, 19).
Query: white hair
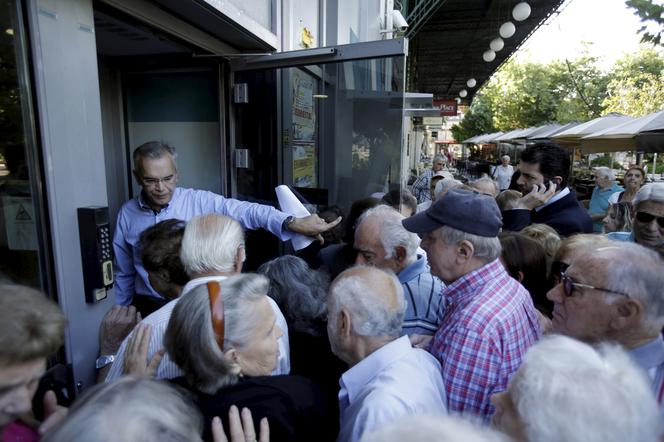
point(477, 184)
point(391, 232)
point(370, 309)
point(190, 339)
point(211, 243)
point(604, 172)
point(428, 428)
point(649, 192)
point(444, 185)
point(486, 248)
point(143, 410)
point(505, 157)
point(635, 270)
point(566, 390)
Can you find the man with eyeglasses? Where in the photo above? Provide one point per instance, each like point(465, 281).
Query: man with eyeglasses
point(547, 199)
point(649, 216)
point(156, 171)
point(614, 293)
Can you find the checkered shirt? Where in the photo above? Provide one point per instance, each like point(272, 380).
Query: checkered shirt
point(420, 188)
point(488, 325)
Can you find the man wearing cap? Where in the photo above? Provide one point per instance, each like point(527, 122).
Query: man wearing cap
point(489, 320)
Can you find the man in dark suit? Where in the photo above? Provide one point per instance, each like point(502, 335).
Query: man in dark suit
point(544, 171)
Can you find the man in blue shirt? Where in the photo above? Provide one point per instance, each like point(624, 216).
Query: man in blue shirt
point(383, 242)
point(605, 186)
point(160, 198)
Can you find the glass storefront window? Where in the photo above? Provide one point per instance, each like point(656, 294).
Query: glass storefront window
point(19, 221)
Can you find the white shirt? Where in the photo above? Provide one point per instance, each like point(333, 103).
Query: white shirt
point(613, 199)
point(394, 381)
point(503, 176)
point(159, 322)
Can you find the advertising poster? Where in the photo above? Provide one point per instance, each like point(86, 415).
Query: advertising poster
point(304, 118)
point(304, 165)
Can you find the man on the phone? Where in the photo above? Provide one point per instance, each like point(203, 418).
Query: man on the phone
point(546, 198)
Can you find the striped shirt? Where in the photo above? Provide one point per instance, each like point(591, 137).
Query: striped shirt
point(159, 322)
point(423, 295)
point(489, 323)
point(650, 357)
point(420, 188)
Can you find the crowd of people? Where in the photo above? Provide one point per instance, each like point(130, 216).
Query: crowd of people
point(489, 311)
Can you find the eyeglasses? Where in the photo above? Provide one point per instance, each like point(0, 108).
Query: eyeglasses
point(153, 182)
point(217, 311)
point(569, 285)
point(645, 217)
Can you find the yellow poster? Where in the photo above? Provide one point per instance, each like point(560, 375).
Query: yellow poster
point(304, 162)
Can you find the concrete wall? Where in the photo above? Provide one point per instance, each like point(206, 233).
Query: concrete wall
point(68, 106)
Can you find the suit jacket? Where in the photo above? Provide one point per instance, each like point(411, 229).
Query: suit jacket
point(566, 216)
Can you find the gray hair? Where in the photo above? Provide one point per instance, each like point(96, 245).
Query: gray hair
point(144, 410)
point(649, 192)
point(299, 291)
point(505, 157)
point(190, 339)
point(444, 185)
point(439, 428)
point(391, 232)
point(154, 150)
point(370, 310)
point(476, 185)
point(633, 269)
point(604, 172)
point(439, 158)
point(486, 248)
point(567, 390)
point(211, 242)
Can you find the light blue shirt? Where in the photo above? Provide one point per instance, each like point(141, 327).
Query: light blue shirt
point(599, 203)
point(423, 292)
point(394, 381)
point(136, 215)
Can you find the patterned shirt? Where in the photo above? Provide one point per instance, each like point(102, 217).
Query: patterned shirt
point(489, 323)
point(420, 187)
point(136, 215)
point(423, 295)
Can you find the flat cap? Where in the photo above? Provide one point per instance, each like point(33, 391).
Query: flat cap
point(464, 210)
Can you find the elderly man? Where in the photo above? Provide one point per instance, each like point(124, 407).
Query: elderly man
point(614, 293)
point(381, 241)
point(544, 171)
point(420, 187)
point(649, 216)
point(566, 390)
point(212, 250)
point(605, 186)
point(486, 186)
point(489, 319)
point(160, 198)
point(388, 378)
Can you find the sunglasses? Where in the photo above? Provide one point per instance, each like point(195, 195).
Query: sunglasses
point(645, 217)
point(569, 285)
point(217, 311)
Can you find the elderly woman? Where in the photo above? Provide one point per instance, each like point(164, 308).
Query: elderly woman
point(605, 186)
point(566, 390)
point(223, 335)
point(503, 173)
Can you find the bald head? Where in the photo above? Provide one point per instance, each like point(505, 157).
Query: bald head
point(372, 297)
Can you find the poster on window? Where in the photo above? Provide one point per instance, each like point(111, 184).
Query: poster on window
point(19, 223)
point(304, 165)
point(304, 118)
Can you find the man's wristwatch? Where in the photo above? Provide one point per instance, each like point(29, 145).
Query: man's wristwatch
point(287, 222)
point(103, 361)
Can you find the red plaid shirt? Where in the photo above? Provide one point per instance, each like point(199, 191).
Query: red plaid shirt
point(488, 325)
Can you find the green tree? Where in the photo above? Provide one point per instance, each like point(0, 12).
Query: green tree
point(636, 86)
point(478, 120)
point(652, 17)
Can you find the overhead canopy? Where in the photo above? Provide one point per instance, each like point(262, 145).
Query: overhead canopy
point(549, 130)
point(645, 133)
point(448, 38)
point(572, 137)
point(508, 136)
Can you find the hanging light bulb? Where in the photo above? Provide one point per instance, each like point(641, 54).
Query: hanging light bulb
point(471, 82)
point(489, 56)
point(497, 44)
point(507, 29)
point(458, 100)
point(521, 11)
point(463, 93)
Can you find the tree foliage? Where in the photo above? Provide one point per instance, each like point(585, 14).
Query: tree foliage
point(478, 120)
point(652, 16)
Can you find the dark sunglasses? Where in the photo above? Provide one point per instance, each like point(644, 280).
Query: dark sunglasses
point(217, 311)
point(645, 217)
point(569, 285)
